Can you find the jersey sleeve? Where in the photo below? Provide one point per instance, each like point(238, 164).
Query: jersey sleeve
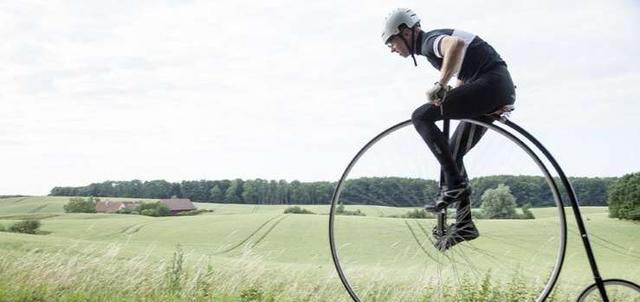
point(432, 45)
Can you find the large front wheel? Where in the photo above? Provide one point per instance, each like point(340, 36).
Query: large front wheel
point(383, 244)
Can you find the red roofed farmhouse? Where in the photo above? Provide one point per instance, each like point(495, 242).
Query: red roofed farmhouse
point(108, 206)
point(176, 205)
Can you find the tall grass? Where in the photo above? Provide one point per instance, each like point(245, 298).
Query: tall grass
point(105, 275)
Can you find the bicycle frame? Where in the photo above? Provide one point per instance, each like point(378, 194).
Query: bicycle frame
point(574, 205)
point(570, 192)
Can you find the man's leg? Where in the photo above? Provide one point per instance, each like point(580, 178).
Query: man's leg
point(472, 100)
point(466, 136)
point(467, 101)
point(424, 120)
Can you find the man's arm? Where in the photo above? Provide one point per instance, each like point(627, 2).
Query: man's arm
point(452, 50)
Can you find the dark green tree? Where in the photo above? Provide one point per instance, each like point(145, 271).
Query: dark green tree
point(176, 190)
point(216, 195)
point(156, 189)
point(196, 190)
point(80, 205)
point(283, 192)
point(155, 209)
point(624, 197)
point(233, 193)
point(29, 226)
point(298, 194)
point(498, 203)
point(250, 192)
point(272, 197)
point(526, 211)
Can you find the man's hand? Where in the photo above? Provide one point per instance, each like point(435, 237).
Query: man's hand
point(437, 93)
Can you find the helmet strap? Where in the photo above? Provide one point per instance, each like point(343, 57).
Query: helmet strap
point(411, 47)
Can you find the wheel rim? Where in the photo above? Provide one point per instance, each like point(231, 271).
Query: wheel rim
point(356, 290)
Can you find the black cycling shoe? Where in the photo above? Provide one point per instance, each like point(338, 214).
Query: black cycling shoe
point(448, 196)
point(458, 232)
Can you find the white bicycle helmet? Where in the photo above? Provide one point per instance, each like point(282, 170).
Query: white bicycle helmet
point(396, 18)
point(393, 22)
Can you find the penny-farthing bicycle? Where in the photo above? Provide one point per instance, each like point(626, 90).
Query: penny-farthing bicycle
point(382, 241)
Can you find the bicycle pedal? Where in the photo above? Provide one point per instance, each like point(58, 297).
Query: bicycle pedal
point(438, 234)
point(436, 207)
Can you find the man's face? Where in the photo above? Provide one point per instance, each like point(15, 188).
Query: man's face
point(397, 45)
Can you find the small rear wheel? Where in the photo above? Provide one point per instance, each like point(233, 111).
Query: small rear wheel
point(617, 290)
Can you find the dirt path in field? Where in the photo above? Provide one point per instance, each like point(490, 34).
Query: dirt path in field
point(134, 228)
point(281, 216)
point(38, 208)
point(28, 216)
point(269, 230)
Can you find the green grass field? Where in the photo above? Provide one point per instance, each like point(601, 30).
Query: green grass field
point(240, 250)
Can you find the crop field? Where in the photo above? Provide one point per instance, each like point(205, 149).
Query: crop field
point(256, 253)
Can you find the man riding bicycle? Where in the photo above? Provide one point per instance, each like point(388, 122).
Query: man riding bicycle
point(483, 86)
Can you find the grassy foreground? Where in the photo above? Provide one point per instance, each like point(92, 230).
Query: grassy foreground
point(100, 275)
point(243, 253)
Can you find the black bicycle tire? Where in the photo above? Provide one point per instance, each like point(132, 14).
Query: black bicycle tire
point(553, 186)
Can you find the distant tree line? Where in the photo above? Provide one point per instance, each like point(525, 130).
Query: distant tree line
point(534, 190)
point(257, 191)
point(370, 190)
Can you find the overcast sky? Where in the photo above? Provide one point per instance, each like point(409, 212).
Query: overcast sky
point(180, 90)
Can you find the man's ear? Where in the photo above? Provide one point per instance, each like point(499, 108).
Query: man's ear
point(406, 33)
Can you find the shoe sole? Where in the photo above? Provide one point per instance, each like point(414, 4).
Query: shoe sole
point(452, 241)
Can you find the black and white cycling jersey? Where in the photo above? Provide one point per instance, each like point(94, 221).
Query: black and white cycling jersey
point(479, 56)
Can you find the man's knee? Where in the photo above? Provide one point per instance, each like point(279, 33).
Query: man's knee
point(416, 117)
point(423, 114)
